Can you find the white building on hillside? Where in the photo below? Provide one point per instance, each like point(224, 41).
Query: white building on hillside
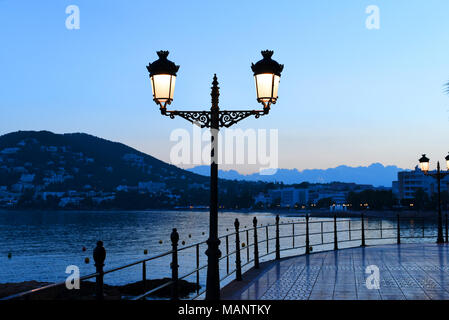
point(151, 187)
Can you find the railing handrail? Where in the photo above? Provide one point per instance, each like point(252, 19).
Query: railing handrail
point(82, 278)
point(364, 220)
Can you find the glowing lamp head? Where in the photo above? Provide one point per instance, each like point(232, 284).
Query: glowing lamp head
point(424, 163)
point(163, 78)
point(447, 162)
point(267, 74)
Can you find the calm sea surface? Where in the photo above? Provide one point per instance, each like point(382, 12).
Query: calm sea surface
point(43, 244)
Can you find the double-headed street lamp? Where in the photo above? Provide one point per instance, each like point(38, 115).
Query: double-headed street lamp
point(267, 73)
point(424, 165)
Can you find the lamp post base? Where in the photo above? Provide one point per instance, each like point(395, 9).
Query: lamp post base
point(213, 276)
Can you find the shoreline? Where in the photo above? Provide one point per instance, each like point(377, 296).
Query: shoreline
point(286, 212)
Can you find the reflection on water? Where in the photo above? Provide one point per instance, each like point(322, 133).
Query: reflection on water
point(43, 244)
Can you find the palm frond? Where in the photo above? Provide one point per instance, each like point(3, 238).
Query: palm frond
point(446, 88)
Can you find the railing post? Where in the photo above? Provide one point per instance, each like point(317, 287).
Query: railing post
point(335, 232)
point(307, 235)
point(447, 235)
point(363, 230)
point(247, 245)
point(293, 235)
point(349, 230)
point(238, 261)
point(144, 276)
point(322, 232)
point(256, 245)
point(381, 235)
point(423, 227)
point(174, 264)
point(227, 254)
point(278, 245)
point(198, 268)
point(399, 230)
point(99, 257)
point(267, 235)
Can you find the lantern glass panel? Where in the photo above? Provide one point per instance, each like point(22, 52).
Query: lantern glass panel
point(267, 85)
point(424, 166)
point(163, 86)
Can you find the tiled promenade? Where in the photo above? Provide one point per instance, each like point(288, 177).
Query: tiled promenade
point(407, 271)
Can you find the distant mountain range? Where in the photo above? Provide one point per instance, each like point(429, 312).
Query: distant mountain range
point(376, 174)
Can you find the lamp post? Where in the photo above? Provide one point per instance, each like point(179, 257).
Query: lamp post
point(424, 163)
point(267, 73)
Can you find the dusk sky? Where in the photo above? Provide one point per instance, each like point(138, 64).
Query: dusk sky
point(348, 95)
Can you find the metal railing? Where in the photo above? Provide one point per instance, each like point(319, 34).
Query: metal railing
point(267, 242)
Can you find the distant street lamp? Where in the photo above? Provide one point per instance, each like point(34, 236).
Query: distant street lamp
point(424, 163)
point(447, 162)
point(267, 73)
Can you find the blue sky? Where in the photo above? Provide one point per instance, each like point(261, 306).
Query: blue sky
point(348, 95)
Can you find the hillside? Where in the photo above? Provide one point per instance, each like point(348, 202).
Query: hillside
point(43, 169)
point(90, 160)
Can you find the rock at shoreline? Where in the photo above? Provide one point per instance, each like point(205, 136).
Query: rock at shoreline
point(8, 289)
point(87, 290)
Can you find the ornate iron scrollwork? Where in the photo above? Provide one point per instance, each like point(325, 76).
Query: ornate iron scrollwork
point(199, 118)
point(226, 118)
point(229, 118)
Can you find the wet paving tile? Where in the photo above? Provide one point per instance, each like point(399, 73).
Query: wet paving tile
point(408, 271)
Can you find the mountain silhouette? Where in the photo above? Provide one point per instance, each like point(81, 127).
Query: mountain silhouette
point(375, 174)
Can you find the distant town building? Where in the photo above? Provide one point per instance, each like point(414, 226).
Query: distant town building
point(9, 150)
point(289, 197)
point(263, 198)
point(8, 199)
point(133, 159)
point(19, 170)
point(337, 192)
point(57, 178)
point(122, 188)
point(411, 181)
point(338, 207)
point(198, 186)
point(151, 187)
point(69, 200)
point(49, 148)
point(27, 178)
point(45, 195)
point(99, 200)
point(336, 197)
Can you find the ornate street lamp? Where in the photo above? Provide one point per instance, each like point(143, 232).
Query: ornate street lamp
point(163, 78)
point(267, 73)
point(424, 164)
